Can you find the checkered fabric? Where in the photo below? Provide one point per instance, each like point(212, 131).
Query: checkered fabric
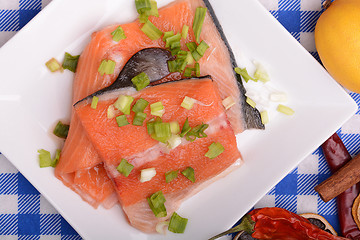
point(25, 214)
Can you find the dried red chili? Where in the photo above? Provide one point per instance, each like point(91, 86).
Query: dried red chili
point(337, 156)
point(278, 223)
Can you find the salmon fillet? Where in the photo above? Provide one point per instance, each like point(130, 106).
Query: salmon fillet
point(133, 143)
point(79, 156)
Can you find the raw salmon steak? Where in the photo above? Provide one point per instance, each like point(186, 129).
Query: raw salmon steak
point(81, 164)
point(133, 143)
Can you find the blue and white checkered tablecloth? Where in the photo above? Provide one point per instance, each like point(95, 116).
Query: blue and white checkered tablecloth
point(25, 214)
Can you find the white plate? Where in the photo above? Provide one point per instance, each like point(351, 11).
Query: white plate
point(32, 100)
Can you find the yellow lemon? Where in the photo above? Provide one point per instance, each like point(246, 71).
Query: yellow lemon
point(337, 39)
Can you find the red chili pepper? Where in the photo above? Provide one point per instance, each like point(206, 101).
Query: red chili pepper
point(278, 223)
point(337, 156)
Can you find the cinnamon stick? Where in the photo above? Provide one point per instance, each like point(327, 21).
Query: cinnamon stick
point(341, 180)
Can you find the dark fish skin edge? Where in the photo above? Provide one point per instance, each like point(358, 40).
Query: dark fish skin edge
point(251, 115)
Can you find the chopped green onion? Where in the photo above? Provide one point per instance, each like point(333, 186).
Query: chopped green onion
point(44, 158)
point(189, 59)
point(198, 22)
point(202, 48)
point(162, 130)
point(177, 224)
point(123, 103)
point(139, 118)
point(181, 64)
point(121, 120)
point(185, 31)
point(140, 105)
point(284, 109)
point(61, 130)
point(174, 141)
point(261, 74)
point(196, 55)
point(125, 168)
point(186, 128)
point(182, 54)
point(264, 117)
point(175, 38)
point(188, 103)
point(106, 67)
point(171, 175)
point(156, 203)
point(244, 74)
point(94, 102)
point(228, 102)
point(147, 174)
point(151, 30)
point(175, 45)
point(174, 51)
point(53, 65)
point(70, 62)
point(172, 66)
point(215, 149)
point(174, 127)
point(112, 112)
point(250, 102)
point(55, 161)
point(197, 69)
point(118, 34)
point(157, 109)
point(278, 97)
point(191, 46)
point(167, 34)
point(142, 5)
point(152, 12)
point(140, 81)
point(189, 173)
point(197, 132)
point(188, 72)
point(150, 125)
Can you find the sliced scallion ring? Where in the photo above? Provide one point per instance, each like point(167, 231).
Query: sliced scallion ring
point(141, 81)
point(215, 149)
point(189, 173)
point(171, 175)
point(177, 224)
point(70, 62)
point(199, 18)
point(61, 130)
point(151, 30)
point(121, 120)
point(125, 168)
point(118, 34)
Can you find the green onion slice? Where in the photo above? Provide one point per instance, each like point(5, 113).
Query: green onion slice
point(191, 46)
point(188, 72)
point(61, 130)
point(264, 117)
point(147, 174)
point(140, 105)
point(177, 224)
point(244, 74)
point(162, 131)
point(202, 48)
point(157, 109)
point(250, 102)
point(174, 141)
point(44, 158)
point(70, 62)
point(125, 168)
point(112, 112)
point(185, 31)
point(56, 159)
point(189, 173)
point(215, 149)
point(197, 69)
point(121, 120)
point(142, 5)
point(197, 132)
point(94, 102)
point(228, 102)
point(171, 175)
point(188, 103)
point(170, 40)
point(106, 67)
point(156, 203)
point(186, 128)
point(118, 34)
point(53, 65)
point(196, 55)
point(189, 58)
point(198, 22)
point(139, 118)
point(123, 103)
point(150, 124)
point(151, 30)
point(140, 81)
point(174, 127)
point(285, 109)
point(153, 11)
point(167, 35)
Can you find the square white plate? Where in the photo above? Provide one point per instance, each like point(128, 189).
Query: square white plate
point(32, 100)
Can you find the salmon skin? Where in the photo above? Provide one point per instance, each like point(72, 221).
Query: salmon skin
point(79, 156)
point(133, 143)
